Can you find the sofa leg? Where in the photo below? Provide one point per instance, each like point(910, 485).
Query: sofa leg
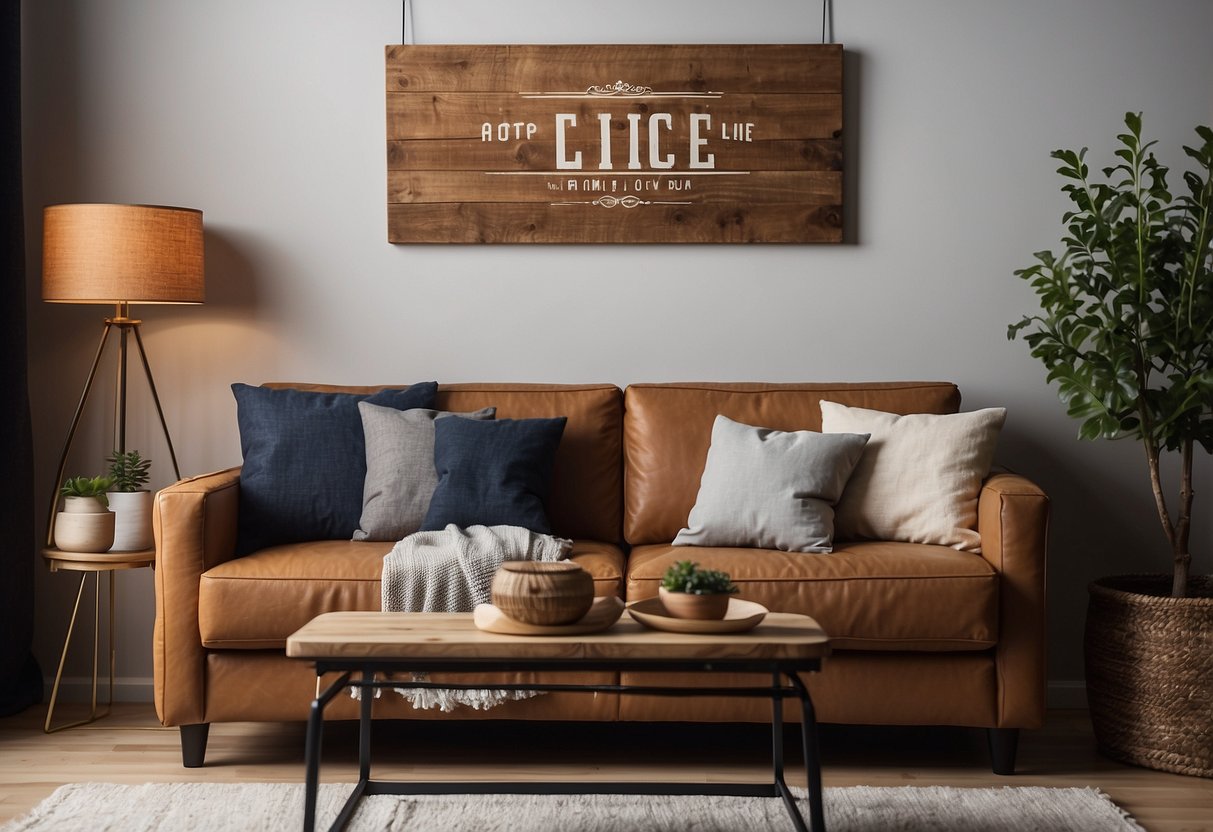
point(1004, 743)
point(193, 744)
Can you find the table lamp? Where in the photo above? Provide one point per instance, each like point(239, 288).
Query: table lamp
point(120, 255)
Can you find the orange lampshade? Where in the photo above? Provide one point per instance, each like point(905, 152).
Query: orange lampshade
point(122, 254)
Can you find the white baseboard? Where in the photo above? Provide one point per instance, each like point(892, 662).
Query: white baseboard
point(79, 689)
point(1069, 694)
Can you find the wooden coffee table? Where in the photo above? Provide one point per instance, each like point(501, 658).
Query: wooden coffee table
point(359, 644)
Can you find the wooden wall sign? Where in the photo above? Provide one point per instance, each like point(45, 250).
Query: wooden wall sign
point(614, 144)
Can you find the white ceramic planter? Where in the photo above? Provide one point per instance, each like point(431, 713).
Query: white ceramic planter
point(84, 525)
point(132, 520)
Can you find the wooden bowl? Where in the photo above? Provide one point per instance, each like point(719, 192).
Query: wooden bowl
point(536, 592)
point(689, 605)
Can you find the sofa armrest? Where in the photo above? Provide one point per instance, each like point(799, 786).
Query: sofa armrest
point(195, 528)
point(1013, 521)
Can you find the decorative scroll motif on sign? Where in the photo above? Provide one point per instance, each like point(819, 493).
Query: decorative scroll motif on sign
point(624, 90)
point(619, 88)
point(629, 201)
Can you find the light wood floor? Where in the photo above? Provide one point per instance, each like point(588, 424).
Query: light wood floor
point(130, 747)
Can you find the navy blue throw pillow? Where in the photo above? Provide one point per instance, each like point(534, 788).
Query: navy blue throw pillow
point(305, 461)
point(493, 473)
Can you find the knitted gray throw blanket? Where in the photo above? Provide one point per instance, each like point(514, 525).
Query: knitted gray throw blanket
point(452, 571)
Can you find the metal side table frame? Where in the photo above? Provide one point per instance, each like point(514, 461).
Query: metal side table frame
point(367, 684)
point(91, 564)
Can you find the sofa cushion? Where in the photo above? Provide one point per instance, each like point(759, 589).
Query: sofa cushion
point(400, 475)
point(255, 602)
point(920, 475)
point(867, 596)
point(668, 428)
point(493, 473)
point(770, 488)
point(587, 480)
point(305, 461)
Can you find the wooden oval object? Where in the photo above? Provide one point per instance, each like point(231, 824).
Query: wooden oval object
point(698, 607)
point(536, 592)
point(741, 616)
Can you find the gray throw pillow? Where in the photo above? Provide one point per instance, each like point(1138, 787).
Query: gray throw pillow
point(400, 474)
point(771, 489)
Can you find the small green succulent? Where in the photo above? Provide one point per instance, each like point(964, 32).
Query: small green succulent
point(87, 487)
point(128, 471)
point(686, 576)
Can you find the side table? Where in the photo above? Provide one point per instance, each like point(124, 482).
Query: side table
point(90, 563)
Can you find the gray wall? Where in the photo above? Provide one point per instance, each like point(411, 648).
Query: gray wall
point(269, 116)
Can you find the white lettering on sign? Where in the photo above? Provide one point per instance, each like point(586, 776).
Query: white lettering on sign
point(655, 159)
point(604, 122)
point(742, 132)
point(696, 142)
point(503, 131)
point(697, 158)
point(562, 162)
point(633, 141)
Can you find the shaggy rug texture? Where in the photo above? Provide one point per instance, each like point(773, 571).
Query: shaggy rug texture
point(223, 807)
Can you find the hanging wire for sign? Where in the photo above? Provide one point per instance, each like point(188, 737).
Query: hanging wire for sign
point(827, 22)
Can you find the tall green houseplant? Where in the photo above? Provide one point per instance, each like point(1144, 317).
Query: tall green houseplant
point(1126, 322)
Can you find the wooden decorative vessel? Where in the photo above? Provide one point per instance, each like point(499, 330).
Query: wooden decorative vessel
point(546, 593)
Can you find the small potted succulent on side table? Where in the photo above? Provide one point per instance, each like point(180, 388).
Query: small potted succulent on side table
point(130, 501)
point(86, 524)
point(690, 592)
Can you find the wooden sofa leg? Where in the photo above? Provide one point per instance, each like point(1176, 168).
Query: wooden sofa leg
point(1004, 743)
point(193, 744)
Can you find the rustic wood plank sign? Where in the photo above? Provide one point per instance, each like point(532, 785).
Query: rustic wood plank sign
point(614, 144)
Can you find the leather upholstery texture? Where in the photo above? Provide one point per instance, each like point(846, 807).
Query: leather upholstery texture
point(1013, 520)
point(265, 686)
point(255, 602)
point(854, 688)
point(668, 428)
point(867, 596)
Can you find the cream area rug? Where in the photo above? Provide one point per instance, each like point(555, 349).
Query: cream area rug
point(268, 807)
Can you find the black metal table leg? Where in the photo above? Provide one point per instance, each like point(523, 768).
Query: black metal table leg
point(315, 735)
point(367, 693)
point(812, 754)
point(315, 730)
point(364, 728)
point(781, 784)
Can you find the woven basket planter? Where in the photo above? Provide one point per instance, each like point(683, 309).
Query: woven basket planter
point(1149, 662)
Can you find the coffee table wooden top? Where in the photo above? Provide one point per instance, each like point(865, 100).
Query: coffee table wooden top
point(434, 635)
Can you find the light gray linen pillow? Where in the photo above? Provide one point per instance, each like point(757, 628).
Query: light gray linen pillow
point(770, 489)
point(400, 475)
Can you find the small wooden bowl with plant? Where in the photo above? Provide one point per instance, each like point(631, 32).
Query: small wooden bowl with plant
point(687, 591)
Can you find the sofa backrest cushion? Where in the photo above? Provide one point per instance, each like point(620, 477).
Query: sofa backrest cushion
point(667, 430)
point(586, 500)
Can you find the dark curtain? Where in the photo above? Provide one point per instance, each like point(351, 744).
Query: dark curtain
point(20, 678)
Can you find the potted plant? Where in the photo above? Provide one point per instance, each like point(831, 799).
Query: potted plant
point(1126, 332)
point(687, 591)
point(86, 524)
point(130, 501)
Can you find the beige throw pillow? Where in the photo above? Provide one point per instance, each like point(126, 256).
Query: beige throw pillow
point(919, 477)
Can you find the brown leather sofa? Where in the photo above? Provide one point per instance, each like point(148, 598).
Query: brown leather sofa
point(923, 635)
